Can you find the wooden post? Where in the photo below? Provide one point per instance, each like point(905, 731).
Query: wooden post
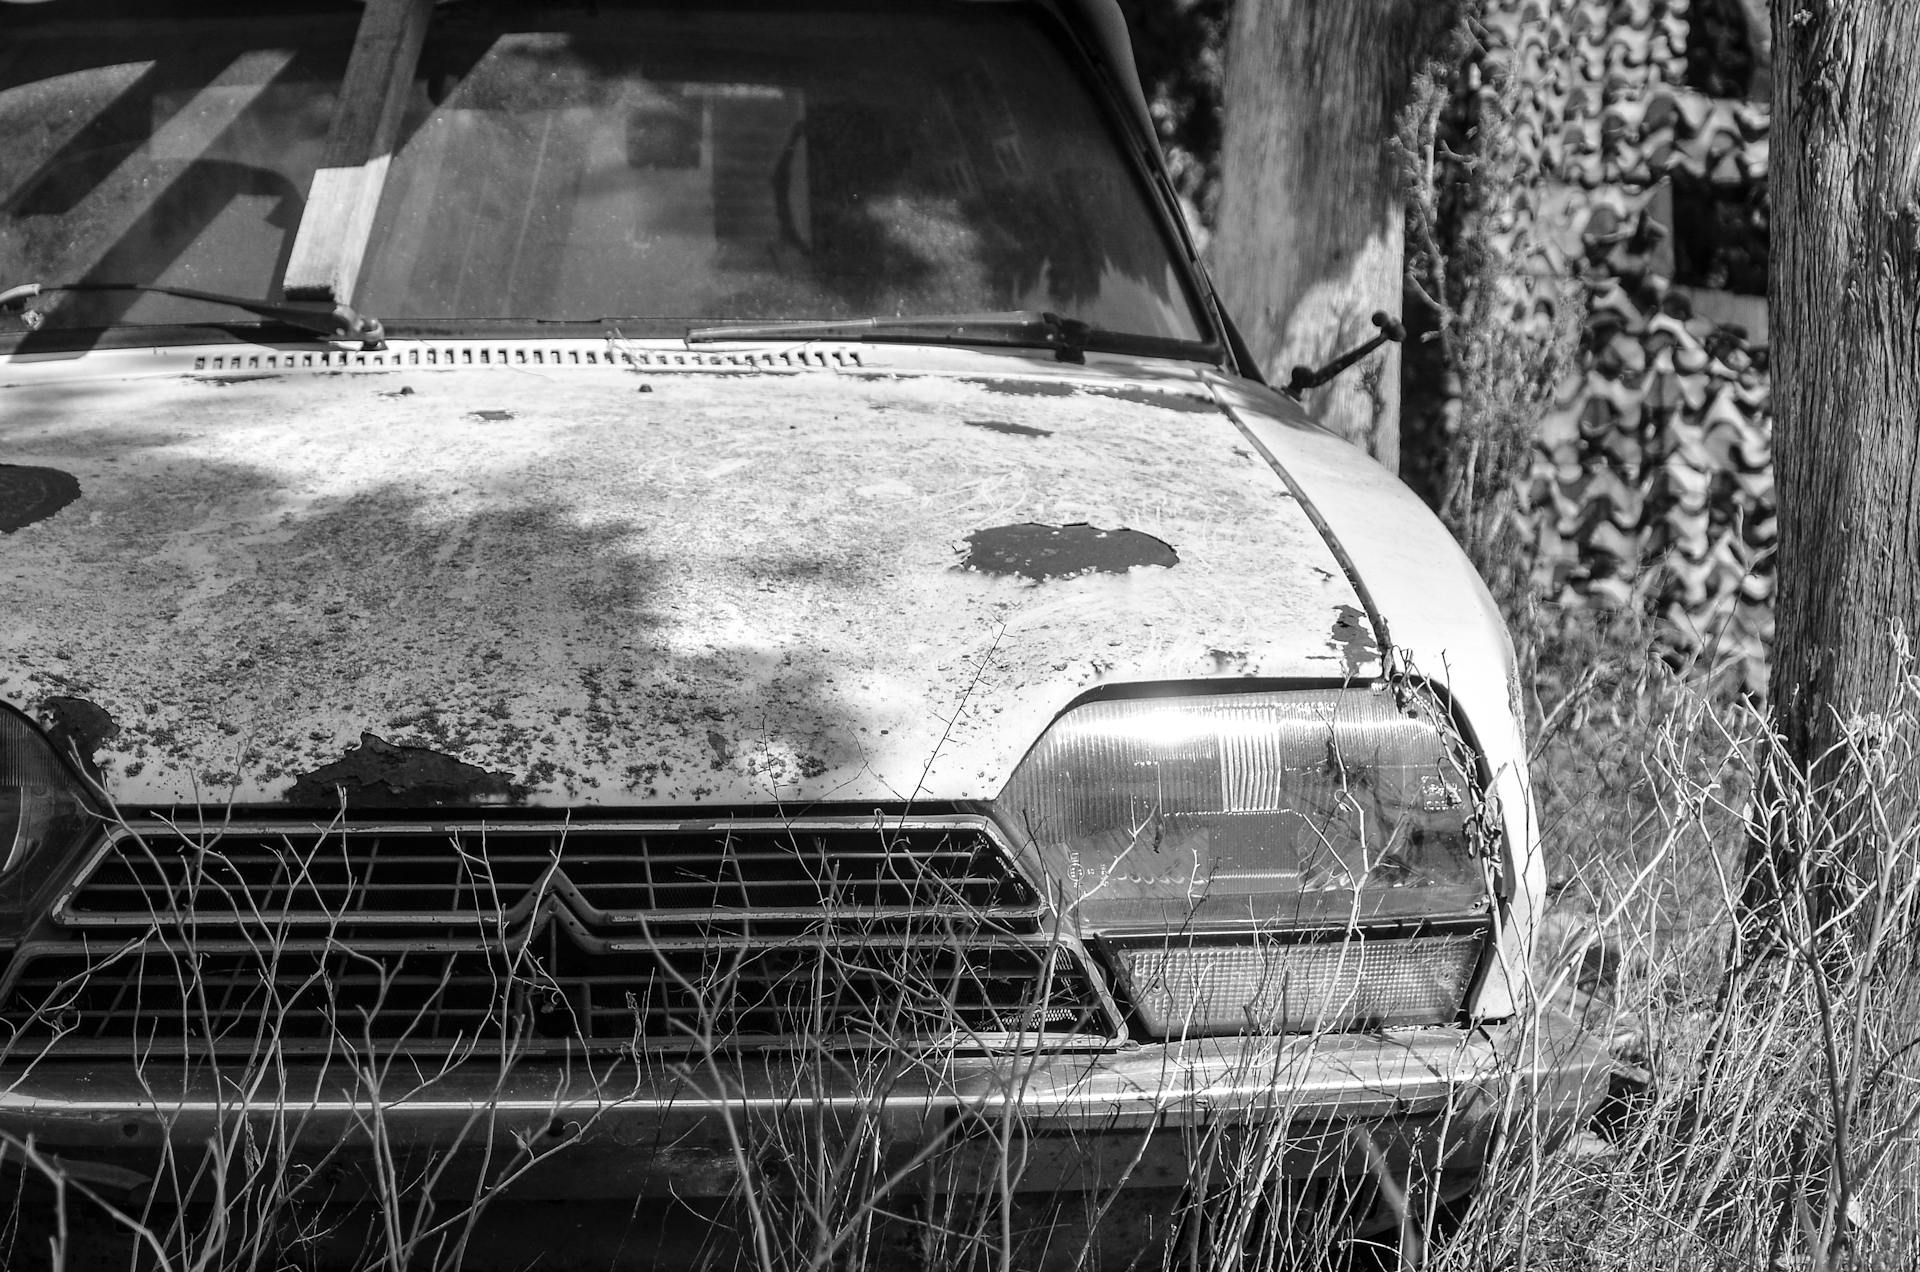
point(346, 190)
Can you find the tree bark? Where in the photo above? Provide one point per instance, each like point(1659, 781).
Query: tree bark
point(1828, 910)
point(1844, 301)
point(1308, 240)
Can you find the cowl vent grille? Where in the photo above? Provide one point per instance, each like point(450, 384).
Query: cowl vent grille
point(426, 356)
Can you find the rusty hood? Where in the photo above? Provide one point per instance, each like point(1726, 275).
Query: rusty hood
point(580, 585)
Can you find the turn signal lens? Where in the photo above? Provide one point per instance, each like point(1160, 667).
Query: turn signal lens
point(1187, 987)
point(1304, 809)
point(40, 801)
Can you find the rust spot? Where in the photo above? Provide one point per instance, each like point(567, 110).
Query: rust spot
point(1353, 639)
point(379, 774)
point(1027, 388)
point(1035, 551)
point(492, 417)
point(222, 381)
point(1228, 660)
point(721, 748)
point(1154, 397)
point(1165, 399)
point(78, 728)
point(1018, 430)
point(29, 494)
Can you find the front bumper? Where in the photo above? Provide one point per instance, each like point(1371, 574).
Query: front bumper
point(1423, 1099)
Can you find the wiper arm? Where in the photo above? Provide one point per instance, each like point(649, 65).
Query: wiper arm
point(1067, 337)
point(335, 322)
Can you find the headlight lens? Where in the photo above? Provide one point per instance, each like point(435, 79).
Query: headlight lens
point(1248, 809)
point(1262, 861)
point(41, 806)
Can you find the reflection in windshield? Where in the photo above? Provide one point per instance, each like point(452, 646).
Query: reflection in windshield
point(617, 161)
point(165, 153)
point(719, 165)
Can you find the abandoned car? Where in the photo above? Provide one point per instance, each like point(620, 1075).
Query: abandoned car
point(583, 579)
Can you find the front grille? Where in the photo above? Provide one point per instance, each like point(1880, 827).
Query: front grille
point(376, 877)
point(530, 937)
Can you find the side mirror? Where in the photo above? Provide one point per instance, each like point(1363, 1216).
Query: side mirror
point(1390, 329)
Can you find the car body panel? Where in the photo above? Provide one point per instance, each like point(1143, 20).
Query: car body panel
point(1441, 626)
point(605, 587)
point(1445, 1089)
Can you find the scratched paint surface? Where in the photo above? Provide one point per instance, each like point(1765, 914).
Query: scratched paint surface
point(730, 588)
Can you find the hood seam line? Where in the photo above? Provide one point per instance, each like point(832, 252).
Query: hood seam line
point(1375, 618)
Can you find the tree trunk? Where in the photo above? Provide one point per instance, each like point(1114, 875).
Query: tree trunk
point(1839, 787)
point(1844, 301)
point(1307, 244)
point(1829, 917)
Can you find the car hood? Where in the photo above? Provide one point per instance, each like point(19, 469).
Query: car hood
point(577, 584)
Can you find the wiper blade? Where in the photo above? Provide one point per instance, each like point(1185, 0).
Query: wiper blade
point(335, 322)
point(1067, 337)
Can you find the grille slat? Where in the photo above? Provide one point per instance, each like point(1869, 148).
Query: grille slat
point(607, 936)
point(728, 997)
point(160, 876)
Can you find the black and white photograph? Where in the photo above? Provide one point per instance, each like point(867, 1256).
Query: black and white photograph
point(959, 635)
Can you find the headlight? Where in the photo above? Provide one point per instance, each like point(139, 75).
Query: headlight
point(1185, 985)
point(42, 810)
point(1267, 860)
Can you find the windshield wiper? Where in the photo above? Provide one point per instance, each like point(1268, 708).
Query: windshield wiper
point(335, 322)
point(1022, 328)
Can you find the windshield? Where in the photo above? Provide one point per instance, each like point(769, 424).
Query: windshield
point(601, 163)
point(175, 152)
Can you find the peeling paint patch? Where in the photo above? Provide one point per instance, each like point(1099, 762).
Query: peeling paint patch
point(1027, 388)
point(379, 774)
point(1017, 430)
point(1352, 639)
point(1155, 397)
point(78, 728)
point(1227, 661)
point(1034, 551)
point(29, 494)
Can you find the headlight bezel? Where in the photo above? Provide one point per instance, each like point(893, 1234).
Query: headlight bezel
point(39, 787)
point(1452, 919)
